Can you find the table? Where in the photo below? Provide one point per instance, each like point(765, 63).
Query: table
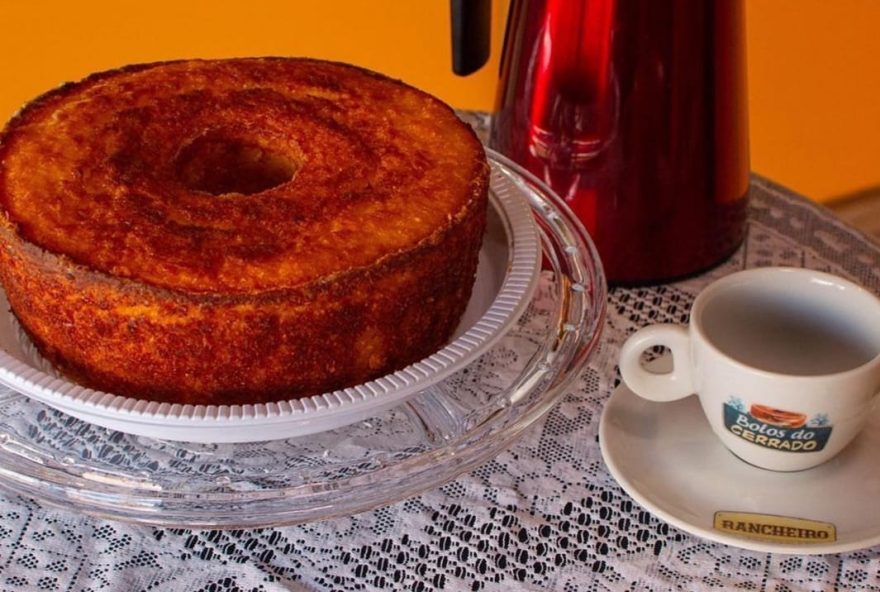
point(543, 515)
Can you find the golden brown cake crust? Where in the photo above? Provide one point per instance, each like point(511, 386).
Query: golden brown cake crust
point(238, 230)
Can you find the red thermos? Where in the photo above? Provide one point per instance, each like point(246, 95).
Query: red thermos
point(634, 111)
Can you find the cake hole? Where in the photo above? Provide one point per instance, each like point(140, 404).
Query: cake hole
point(221, 165)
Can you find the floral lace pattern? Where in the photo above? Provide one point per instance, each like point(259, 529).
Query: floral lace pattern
point(543, 515)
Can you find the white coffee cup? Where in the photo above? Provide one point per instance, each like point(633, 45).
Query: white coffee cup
point(785, 362)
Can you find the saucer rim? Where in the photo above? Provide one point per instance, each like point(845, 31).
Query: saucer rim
point(643, 498)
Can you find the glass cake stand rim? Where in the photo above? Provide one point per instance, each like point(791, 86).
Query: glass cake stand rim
point(579, 318)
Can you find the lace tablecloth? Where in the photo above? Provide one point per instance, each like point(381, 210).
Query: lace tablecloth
point(544, 515)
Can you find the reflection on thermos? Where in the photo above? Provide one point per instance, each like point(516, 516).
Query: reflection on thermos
point(635, 112)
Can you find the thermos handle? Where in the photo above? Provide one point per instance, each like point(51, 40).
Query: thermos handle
point(471, 30)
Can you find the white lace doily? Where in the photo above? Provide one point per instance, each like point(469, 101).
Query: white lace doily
point(543, 515)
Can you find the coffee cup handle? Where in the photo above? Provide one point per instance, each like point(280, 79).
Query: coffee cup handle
point(668, 386)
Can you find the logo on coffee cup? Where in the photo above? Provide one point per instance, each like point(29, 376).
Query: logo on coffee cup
point(777, 429)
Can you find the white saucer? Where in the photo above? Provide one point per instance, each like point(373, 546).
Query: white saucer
point(666, 457)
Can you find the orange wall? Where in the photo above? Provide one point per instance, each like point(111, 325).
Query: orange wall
point(48, 42)
point(814, 65)
point(814, 93)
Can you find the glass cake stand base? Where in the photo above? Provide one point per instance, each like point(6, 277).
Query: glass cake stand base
point(442, 431)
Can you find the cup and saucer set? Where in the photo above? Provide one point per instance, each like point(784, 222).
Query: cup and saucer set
point(776, 450)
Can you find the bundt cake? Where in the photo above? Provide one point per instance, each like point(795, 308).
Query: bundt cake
point(238, 231)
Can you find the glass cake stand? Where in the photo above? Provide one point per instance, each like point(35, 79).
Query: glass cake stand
point(447, 428)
